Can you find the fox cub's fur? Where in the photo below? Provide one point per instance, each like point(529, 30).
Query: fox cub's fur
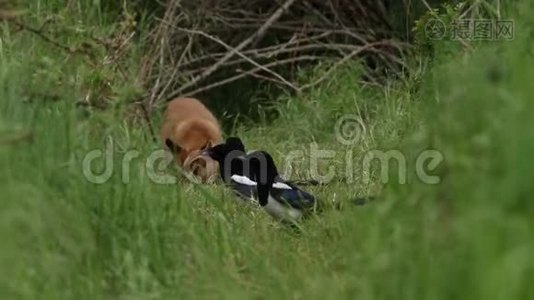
point(188, 128)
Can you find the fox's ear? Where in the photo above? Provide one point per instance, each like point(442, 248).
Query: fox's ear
point(208, 145)
point(172, 146)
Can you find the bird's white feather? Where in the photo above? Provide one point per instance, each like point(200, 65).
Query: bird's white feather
point(243, 180)
point(281, 186)
point(247, 181)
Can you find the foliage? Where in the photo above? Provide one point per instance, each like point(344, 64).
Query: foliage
point(470, 236)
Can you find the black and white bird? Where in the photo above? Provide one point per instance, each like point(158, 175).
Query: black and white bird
point(255, 176)
point(230, 156)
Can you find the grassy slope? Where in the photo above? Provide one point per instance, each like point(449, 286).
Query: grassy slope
point(468, 237)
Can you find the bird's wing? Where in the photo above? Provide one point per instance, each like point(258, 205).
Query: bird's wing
point(243, 187)
point(286, 192)
point(281, 190)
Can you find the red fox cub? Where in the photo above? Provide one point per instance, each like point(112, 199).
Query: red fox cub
point(188, 128)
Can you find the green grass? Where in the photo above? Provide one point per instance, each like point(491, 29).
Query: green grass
point(469, 237)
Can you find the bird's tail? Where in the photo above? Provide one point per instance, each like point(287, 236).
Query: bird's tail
point(306, 182)
point(312, 182)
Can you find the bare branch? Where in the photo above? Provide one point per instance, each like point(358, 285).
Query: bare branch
point(247, 73)
point(226, 57)
point(341, 62)
point(257, 35)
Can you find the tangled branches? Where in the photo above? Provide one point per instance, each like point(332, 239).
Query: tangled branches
point(201, 45)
